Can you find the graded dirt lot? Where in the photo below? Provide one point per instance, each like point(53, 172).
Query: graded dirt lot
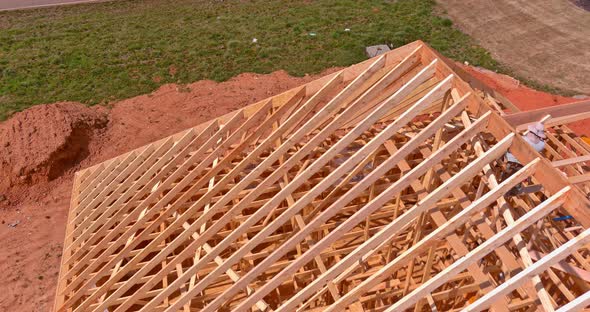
point(544, 40)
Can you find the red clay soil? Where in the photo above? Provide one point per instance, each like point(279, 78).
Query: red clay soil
point(40, 143)
point(140, 120)
point(41, 148)
point(524, 97)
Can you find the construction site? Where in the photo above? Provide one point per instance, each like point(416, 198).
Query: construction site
point(405, 182)
point(375, 188)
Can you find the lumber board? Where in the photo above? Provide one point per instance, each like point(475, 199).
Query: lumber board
point(524, 118)
point(374, 188)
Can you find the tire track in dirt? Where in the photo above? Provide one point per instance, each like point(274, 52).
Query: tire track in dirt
point(544, 40)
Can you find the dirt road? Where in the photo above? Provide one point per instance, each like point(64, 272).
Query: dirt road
point(544, 40)
point(6, 5)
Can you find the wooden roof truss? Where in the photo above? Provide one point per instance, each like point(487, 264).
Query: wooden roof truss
point(374, 188)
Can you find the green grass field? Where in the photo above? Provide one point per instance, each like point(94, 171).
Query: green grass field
point(102, 52)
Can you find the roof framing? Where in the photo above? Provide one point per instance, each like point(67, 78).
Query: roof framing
point(373, 188)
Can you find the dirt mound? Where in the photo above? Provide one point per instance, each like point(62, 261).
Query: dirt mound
point(39, 138)
point(41, 143)
point(172, 108)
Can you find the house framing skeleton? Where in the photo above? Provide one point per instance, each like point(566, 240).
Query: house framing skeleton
point(375, 188)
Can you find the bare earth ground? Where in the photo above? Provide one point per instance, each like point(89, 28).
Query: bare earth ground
point(547, 40)
point(59, 139)
point(33, 214)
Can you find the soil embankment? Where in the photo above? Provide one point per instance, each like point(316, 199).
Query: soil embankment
point(524, 97)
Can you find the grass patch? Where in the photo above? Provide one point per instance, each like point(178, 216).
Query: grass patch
point(103, 52)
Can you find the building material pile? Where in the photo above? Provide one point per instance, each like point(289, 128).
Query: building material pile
point(372, 189)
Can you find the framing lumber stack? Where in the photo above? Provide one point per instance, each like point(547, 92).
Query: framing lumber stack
point(372, 189)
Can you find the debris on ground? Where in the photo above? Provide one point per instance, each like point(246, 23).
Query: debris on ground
point(14, 224)
point(375, 50)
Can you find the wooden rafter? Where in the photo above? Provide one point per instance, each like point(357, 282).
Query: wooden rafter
point(372, 188)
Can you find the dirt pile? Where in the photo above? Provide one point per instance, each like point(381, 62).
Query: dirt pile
point(41, 143)
point(45, 137)
point(53, 141)
point(172, 108)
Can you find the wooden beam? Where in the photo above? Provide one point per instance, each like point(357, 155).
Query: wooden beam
point(579, 179)
point(310, 124)
point(564, 267)
point(61, 282)
point(557, 111)
point(570, 161)
point(489, 245)
point(578, 304)
point(554, 122)
point(318, 164)
point(543, 264)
